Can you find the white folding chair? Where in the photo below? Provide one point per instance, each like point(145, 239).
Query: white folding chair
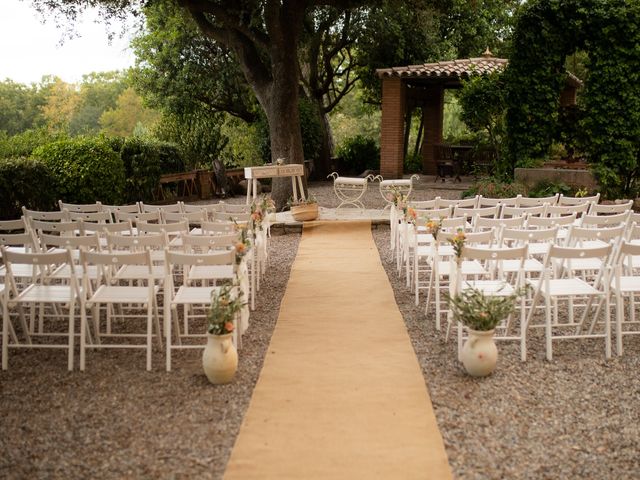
point(171, 208)
point(485, 223)
point(57, 216)
point(442, 270)
point(626, 284)
point(234, 209)
point(562, 210)
point(422, 251)
point(472, 213)
point(80, 207)
point(132, 208)
point(192, 218)
point(537, 241)
point(194, 298)
point(91, 219)
point(532, 201)
point(122, 302)
point(36, 294)
point(563, 200)
point(497, 284)
point(529, 211)
point(217, 228)
point(462, 202)
point(559, 282)
point(600, 209)
point(491, 202)
point(19, 225)
point(149, 217)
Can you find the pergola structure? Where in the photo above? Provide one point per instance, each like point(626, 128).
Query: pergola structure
point(423, 86)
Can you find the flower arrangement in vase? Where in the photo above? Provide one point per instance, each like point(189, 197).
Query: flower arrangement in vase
point(481, 314)
point(220, 357)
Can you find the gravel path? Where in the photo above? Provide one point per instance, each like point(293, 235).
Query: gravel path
point(576, 417)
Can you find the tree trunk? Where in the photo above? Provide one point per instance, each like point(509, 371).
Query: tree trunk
point(281, 108)
point(322, 165)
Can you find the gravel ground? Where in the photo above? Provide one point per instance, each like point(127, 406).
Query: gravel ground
point(116, 420)
point(576, 417)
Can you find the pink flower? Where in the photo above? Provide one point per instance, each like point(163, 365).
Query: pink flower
point(228, 326)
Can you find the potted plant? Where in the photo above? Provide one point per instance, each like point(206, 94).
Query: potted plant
point(304, 209)
point(481, 314)
point(220, 357)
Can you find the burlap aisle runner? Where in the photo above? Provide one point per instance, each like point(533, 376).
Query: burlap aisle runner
point(341, 394)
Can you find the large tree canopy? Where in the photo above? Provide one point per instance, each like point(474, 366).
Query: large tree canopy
point(279, 45)
point(264, 37)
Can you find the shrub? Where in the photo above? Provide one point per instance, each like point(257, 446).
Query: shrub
point(546, 188)
point(144, 161)
point(413, 163)
point(22, 144)
point(25, 182)
point(492, 187)
point(358, 154)
point(85, 169)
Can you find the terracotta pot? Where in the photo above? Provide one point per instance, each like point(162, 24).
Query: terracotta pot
point(220, 359)
point(305, 212)
point(479, 353)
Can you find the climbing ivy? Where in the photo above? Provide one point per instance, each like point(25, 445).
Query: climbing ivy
point(609, 31)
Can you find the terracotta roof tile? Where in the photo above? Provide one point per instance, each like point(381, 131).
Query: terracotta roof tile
point(450, 68)
point(456, 69)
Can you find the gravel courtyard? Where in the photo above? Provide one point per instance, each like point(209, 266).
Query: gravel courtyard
point(575, 417)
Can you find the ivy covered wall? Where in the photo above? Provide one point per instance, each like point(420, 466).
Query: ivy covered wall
point(609, 124)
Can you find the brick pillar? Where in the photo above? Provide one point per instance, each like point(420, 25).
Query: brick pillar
point(433, 111)
point(392, 128)
point(568, 96)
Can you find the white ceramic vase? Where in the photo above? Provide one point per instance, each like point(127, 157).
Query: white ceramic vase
point(479, 353)
point(220, 359)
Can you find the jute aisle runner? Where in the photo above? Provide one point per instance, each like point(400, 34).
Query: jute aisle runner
point(341, 394)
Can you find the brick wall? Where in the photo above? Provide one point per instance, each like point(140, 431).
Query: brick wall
point(392, 128)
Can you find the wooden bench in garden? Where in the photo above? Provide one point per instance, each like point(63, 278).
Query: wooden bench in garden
point(185, 185)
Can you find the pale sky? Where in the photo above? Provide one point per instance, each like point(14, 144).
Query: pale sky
point(30, 49)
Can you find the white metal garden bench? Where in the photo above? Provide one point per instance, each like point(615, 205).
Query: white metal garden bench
point(350, 190)
point(404, 186)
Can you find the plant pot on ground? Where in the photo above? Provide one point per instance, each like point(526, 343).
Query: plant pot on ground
point(304, 209)
point(481, 314)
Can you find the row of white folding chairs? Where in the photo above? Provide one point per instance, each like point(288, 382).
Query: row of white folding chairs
point(257, 253)
point(480, 201)
point(159, 214)
point(558, 279)
point(141, 207)
point(512, 231)
point(95, 284)
point(487, 217)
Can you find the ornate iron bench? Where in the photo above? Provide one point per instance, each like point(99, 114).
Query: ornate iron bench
point(404, 186)
point(350, 190)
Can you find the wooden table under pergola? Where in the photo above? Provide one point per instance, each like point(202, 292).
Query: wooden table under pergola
point(423, 86)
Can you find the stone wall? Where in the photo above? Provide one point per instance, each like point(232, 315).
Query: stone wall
point(571, 177)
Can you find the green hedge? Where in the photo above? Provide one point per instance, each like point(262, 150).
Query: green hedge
point(85, 170)
point(27, 182)
point(22, 144)
point(144, 161)
point(358, 154)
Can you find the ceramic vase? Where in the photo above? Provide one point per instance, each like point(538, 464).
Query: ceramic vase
point(479, 353)
point(220, 359)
